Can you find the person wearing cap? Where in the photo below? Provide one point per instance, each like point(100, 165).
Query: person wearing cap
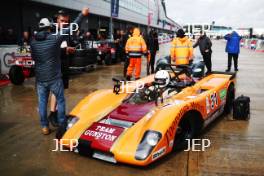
point(45, 50)
point(62, 19)
point(205, 46)
point(181, 51)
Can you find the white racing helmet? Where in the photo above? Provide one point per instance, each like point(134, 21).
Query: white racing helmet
point(162, 77)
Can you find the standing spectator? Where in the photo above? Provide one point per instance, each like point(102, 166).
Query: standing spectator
point(205, 46)
point(46, 53)
point(181, 49)
point(153, 46)
point(126, 37)
point(26, 38)
point(66, 48)
point(122, 44)
point(135, 48)
point(233, 49)
point(117, 37)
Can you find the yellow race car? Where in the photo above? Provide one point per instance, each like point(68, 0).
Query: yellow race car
point(139, 122)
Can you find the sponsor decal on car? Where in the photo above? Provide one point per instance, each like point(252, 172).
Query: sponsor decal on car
point(222, 94)
point(99, 135)
point(102, 135)
point(159, 153)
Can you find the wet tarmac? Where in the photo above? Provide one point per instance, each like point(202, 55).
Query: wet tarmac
point(237, 147)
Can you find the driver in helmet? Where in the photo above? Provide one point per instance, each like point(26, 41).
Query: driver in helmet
point(162, 80)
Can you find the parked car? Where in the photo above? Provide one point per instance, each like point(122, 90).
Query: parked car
point(23, 66)
point(106, 52)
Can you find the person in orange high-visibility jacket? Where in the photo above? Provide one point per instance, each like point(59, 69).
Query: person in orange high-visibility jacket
point(135, 48)
point(181, 50)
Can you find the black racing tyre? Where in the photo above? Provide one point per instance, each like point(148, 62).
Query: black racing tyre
point(92, 58)
point(80, 52)
point(79, 61)
point(187, 129)
point(108, 59)
point(32, 72)
point(100, 60)
point(16, 75)
point(230, 96)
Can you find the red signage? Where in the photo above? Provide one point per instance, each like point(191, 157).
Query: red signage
point(102, 136)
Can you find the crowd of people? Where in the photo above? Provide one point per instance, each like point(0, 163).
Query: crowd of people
point(182, 49)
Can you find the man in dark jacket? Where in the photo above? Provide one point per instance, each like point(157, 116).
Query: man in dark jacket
point(62, 19)
point(46, 53)
point(205, 46)
point(153, 47)
point(233, 49)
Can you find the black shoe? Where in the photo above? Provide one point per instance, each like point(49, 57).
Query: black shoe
point(53, 119)
point(60, 131)
point(228, 70)
point(236, 69)
point(137, 78)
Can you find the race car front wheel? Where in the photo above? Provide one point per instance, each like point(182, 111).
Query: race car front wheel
point(230, 96)
point(190, 126)
point(108, 59)
point(16, 75)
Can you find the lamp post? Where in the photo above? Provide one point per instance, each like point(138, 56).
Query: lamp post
point(111, 22)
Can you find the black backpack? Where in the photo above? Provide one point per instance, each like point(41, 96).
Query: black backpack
point(241, 108)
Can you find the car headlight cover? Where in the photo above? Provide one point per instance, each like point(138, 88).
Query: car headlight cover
point(147, 144)
point(71, 121)
point(152, 138)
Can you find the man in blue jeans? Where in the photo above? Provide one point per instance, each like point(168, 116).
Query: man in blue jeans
point(45, 50)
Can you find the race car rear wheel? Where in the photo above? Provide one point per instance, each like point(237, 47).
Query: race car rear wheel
point(189, 127)
point(229, 99)
point(16, 75)
point(108, 59)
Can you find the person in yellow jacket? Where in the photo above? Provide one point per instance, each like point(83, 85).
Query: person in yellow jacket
point(182, 49)
point(135, 48)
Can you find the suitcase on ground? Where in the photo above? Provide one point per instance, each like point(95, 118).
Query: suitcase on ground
point(241, 108)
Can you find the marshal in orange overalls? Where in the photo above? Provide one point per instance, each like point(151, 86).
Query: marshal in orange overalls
point(135, 48)
point(181, 51)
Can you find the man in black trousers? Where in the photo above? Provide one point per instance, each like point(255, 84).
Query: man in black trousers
point(205, 46)
point(153, 47)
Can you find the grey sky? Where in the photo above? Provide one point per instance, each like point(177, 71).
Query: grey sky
point(234, 13)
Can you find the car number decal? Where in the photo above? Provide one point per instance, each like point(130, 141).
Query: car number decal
point(211, 103)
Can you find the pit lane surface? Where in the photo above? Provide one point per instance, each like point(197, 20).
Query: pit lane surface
point(236, 146)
